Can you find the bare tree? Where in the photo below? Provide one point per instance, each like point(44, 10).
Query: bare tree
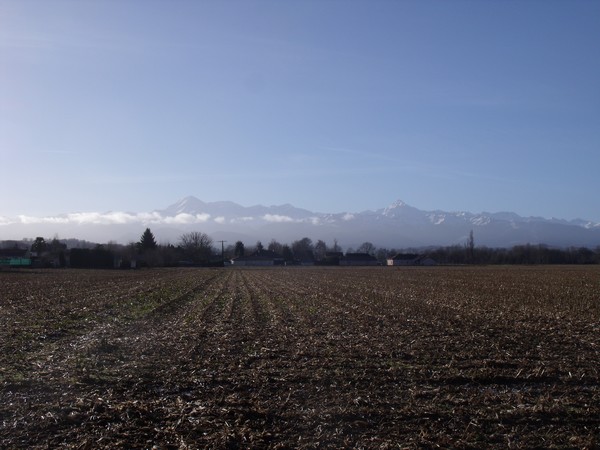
point(239, 249)
point(470, 246)
point(336, 248)
point(287, 253)
point(197, 246)
point(275, 246)
point(320, 250)
point(366, 247)
point(382, 255)
point(303, 249)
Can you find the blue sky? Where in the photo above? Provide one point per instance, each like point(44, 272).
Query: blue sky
point(328, 105)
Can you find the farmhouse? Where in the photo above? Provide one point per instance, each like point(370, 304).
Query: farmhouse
point(14, 257)
point(411, 259)
point(332, 258)
point(259, 258)
point(358, 259)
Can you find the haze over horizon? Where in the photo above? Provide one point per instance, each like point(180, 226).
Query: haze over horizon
point(111, 215)
point(329, 106)
point(396, 225)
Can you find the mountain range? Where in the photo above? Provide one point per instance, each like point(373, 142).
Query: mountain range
point(397, 225)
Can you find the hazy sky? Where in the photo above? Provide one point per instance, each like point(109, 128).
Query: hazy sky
point(329, 105)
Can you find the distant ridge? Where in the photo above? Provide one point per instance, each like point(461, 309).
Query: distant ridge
point(398, 225)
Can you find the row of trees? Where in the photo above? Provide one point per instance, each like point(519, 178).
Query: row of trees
point(306, 250)
point(299, 251)
point(193, 248)
point(519, 254)
point(196, 248)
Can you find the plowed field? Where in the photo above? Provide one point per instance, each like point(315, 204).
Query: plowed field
point(301, 358)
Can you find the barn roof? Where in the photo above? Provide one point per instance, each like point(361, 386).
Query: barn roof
point(359, 257)
point(12, 252)
point(405, 256)
point(260, 255)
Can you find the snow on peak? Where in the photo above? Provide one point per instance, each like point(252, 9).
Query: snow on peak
point(437, 219)
point(481, 220)
point(397, 204)
point(392, 209)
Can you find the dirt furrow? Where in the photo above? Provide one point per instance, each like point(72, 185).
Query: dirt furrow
point(74, 373)
point(313, 358)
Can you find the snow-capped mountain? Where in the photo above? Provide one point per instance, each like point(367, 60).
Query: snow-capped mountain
point(192, 205)
point(398, 225)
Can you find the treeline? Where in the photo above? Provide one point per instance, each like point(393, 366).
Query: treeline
point(198, 249)
point(96, 258)
point(519, 254)
point(193, 249)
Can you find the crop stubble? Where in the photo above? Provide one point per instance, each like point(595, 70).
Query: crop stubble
point(301, 357)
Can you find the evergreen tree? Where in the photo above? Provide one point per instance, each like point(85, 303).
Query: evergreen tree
point(147, 241)
point(470, 246)
point(259, 247)
point(39, 245)
point(239, 249)
point(287, 253)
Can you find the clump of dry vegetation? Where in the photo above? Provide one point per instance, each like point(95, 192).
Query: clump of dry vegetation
point(301, 357)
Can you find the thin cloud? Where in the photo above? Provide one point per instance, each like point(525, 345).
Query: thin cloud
point(362, 153)
point(59, 152)
point(276, 218)
point(151, 218)
point(184, 219)
point(89, 40)
point(6, 221)
point(242, 219)
point(139, 179)
point(110, 218)
point(429, 170)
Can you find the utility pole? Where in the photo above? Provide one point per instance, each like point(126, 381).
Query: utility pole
point(222, 252)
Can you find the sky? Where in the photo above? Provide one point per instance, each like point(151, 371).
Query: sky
point(328, 105)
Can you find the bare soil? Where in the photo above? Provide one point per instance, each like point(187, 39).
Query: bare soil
point(452, 357)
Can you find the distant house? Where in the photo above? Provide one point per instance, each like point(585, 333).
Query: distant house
point(411, 259)
point(427, 261)
point(259, 258)
point(15, 257)
point(332, 258)
point(358, 259)
point(304, 262)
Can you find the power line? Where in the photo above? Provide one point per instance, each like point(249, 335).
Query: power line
point(222, 251)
